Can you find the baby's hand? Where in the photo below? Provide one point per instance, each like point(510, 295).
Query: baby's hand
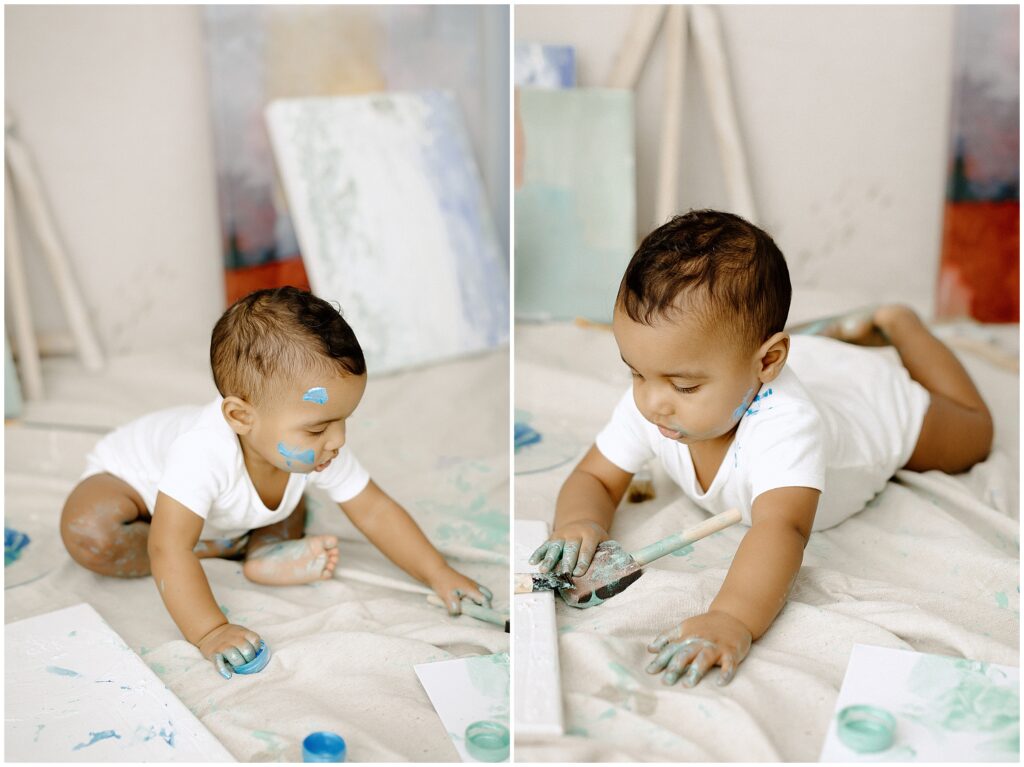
point(228, 646)
point(452, 586)
point(575, 543)
point(703, 641)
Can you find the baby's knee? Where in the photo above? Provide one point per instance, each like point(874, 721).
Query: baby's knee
point(87, 539)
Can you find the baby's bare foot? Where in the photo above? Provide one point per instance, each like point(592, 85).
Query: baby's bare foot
point(291, 563)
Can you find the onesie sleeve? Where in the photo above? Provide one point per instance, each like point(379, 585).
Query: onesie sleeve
point(786, 449)
point(344, 479)
point(623, 440)
point(194, 473)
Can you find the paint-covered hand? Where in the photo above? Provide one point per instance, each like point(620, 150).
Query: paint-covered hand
point(452, 586)
point(574, 544)
point(228, 646)
point(700, 643)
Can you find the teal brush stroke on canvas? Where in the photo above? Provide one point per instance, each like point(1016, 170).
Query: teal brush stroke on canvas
point(15, 542)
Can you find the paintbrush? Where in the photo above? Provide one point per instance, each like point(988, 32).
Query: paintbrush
point(613, 568)
point(527, 583)
point(473, 610)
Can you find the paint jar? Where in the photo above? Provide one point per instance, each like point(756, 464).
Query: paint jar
point(866, 729)
point(487, 741)
point(258, 663)
point(323, 746)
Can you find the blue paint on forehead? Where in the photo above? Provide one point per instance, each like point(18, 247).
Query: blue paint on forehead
point(317, 394)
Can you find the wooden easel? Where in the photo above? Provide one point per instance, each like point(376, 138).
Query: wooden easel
point(707, 35)
point(21, 185)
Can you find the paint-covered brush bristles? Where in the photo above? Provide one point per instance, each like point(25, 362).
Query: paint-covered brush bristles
point(527, 583)
point(642, 487)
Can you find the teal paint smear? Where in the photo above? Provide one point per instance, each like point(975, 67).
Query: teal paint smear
point(579, 732)
point(1002, 600)
point(96, 737)
point(317, 394)
point(303, 456)
point(39, 729)
point(158, 668)
point(607, 714)
point(741, 408)
point(62, 671)
point(224, 609)
point(966, 696)
point(686, 551)
point(15, 542)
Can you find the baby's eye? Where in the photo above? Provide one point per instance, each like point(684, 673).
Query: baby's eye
point(685, 389)
point(321, 431)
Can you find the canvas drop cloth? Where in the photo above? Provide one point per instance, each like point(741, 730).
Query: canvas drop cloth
point(434, 438)
point(930, 565)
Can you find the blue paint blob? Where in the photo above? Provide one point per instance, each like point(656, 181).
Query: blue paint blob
point(96, 737)
point(304, 456)
point(317, 394)
point(14, 542)
point(62, 671)
point(525, 435)
point(738, 412)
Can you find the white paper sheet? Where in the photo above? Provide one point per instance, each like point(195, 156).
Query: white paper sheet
point(76, 692)
point(467, 690)
point(946, 709)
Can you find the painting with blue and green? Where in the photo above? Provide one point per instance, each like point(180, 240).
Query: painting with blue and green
point(545, 66)
point(393, 222)
point(575, 215)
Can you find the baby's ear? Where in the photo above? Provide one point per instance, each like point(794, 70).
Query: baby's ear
point(773, 355)
point(238, 413)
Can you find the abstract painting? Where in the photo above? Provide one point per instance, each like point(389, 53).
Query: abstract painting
point(545, 66)
point(575, 222)
point(979, 272)
point(393, 223)
point(257, 54)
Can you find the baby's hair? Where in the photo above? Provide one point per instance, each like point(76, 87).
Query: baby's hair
point(275, 333)
point(726, 270)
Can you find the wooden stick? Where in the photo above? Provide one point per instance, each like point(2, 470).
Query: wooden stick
point(633, 52)
point(27, 185)
point(473, 610)
point(666, 202)
point(708, 37)
point(28, 352)
point(676, 541)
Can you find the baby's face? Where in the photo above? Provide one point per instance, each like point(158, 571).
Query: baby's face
point(302, 427)
point(694, 386)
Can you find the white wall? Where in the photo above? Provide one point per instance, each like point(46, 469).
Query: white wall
point(844, 113)
point(112, 102)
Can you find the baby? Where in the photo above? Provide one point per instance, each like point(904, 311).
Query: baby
point(799, 433)
point(227, 479)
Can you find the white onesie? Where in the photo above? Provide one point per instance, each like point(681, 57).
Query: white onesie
point(192, 455)
point(839, 418)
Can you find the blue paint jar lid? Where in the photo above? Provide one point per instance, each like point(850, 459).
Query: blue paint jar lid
point(487, 741)
point(866, 729)
point(257, 664)
point(323, 746)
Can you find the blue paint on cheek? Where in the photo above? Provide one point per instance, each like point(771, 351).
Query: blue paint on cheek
point(317, 394)
point(304, 456)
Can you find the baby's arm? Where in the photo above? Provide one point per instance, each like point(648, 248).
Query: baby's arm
point(173, 534)
point(390, 528)
point(754, 591)
point(583, 513)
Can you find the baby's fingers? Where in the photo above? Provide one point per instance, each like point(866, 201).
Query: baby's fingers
point(481, 595)
point(569, 555)
point(728, 670)
point(586, 556)
point(662, 659)
point(233, 656)
point(553, 553)
point(700, 665)
point(222, 666)
point(539, 553)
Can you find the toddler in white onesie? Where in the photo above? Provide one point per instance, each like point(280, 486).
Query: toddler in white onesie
point(227, 479)
point(798, 433)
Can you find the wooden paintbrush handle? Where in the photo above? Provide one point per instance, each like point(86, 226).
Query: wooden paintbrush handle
point(675, 542)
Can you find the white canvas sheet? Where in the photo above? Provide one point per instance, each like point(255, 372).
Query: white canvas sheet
point(434, 438)
point(931, 565)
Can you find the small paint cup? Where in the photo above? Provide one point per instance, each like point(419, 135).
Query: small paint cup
point(866, 729)
point(487, 741)
point(257, 664)
point(323, 746)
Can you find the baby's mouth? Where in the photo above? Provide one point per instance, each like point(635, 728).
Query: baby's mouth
point(670, 433)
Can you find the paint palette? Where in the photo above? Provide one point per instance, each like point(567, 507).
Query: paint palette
point(76, 692)
point(30, 549)
point(945, 709)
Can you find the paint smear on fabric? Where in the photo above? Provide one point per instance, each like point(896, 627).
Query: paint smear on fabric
point(15, 542)
point(62, 671)
point(302, 456)
point(1002, 600)
point(317, 394)
point(686, 551)
point(96, 737)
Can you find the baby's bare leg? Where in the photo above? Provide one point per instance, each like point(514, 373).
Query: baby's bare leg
point(957, 429)
point(105, 527)
point(280, 555)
